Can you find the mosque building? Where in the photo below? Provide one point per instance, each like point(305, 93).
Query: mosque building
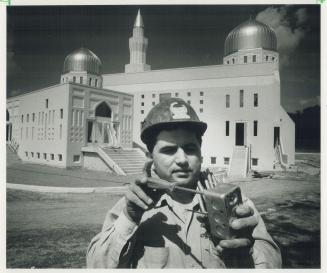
point(94, 120)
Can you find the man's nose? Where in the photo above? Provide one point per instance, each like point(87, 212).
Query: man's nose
point(181, 157)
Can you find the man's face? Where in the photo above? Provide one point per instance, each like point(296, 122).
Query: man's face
point(177, 157)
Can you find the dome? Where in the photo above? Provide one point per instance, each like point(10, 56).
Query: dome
point(251, 34)
point(82, 59)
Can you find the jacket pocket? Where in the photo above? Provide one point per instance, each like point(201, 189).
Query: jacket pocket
point(154, 257)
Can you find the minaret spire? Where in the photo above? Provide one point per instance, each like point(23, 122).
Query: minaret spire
point(138, 20)
point(138, 44)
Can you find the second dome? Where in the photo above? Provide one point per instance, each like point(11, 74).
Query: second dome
point(250, 34)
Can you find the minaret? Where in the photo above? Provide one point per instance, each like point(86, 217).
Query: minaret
point(138, 45)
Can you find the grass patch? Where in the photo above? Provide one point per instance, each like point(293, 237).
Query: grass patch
point(53, 248)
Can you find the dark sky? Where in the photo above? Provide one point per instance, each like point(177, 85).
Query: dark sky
point(39, 38)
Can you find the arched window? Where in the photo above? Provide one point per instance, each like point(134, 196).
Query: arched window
point(7, 115)
point(103, 110)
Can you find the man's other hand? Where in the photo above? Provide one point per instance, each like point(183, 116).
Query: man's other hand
point(243, 227)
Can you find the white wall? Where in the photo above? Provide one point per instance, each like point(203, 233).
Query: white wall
point(43, 134)
point(215, 83)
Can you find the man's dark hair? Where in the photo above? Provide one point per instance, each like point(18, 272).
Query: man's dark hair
point(151, 142)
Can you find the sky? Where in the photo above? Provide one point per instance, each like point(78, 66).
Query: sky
point(40, 37)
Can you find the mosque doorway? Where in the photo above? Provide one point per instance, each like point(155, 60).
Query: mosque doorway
point(276, 136)
point(8, 127)
point(240, 134)
point(102, 130)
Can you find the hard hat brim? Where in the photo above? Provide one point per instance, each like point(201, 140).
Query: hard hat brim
point(198, 127)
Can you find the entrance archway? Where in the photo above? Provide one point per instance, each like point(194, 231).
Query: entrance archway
point(102, 130)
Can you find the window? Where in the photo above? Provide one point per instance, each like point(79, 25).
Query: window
point(255, 128)
point(241, 98)
point(153, 103)
point(272, 58)
point(153, 95)
point(38, 155)
point(80, 79)
point(233, 60)
point(27, 118)
point(213, 160)
point(201, 110)
point(33, 117)
point(60, 157)
point(46, 103)
point(96, 83)
point(26, 154)
point(227, 101)
point(267, 58)
point(90, 81)
point(176, 95)
point(255, 100)
point(201, 101)
point(74, 79)
point(189, 102)
point(52, 156)
point(60, 131)
point(76, 158)
point(61, 113)
point(22, 118)
point(189, 94)
point(201, 93)
point(227, 128)
point(142, 103)
point(245, 59)
point(254, 58)
point(254, 161)
point(227, 62)
point(44, 156)
point(142, 96)
point(226, 160)
point(142, 111)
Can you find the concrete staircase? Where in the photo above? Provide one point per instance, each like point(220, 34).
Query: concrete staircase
point(131, 161)
point(239, 162)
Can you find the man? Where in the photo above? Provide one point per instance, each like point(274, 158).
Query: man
point(166, 228)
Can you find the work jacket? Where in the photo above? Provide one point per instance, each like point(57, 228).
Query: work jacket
point(172, 235)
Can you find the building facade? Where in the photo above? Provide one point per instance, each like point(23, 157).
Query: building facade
point(53, 124)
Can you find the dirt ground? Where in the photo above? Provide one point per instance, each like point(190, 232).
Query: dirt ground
point(53, 230)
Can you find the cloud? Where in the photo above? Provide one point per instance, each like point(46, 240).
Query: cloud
point(301, 16)
point(288, 35)
point(310, 102)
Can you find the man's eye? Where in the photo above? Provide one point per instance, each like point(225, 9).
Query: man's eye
point(191, 149)
point(168, 150)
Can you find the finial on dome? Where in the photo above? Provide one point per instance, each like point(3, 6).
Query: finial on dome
point(138, 20)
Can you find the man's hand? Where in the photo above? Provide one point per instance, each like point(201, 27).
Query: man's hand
point(243, 227)
point(137, 201)
point(139, 197)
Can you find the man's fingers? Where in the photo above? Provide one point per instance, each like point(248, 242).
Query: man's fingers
point(244, 223)
point(131, 197)
point(244, 211)
point(235, 243)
